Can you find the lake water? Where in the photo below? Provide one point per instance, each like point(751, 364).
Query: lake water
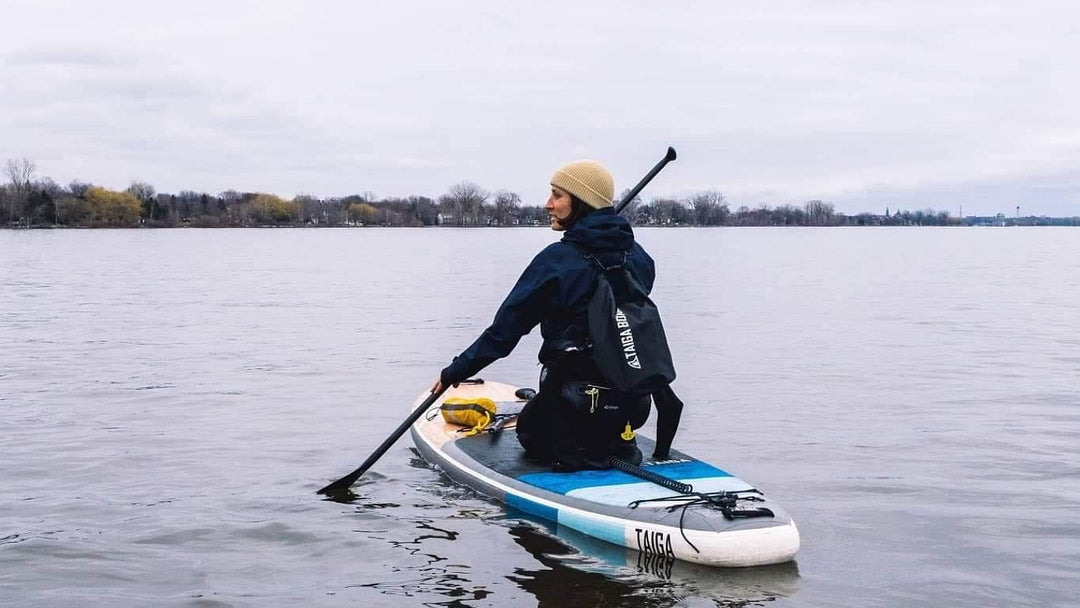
point(170, 400)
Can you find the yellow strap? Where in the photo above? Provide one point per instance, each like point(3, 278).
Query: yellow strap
point(479, 427)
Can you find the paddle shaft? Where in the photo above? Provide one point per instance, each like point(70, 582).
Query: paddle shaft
point(343, 484)
point(670, 156)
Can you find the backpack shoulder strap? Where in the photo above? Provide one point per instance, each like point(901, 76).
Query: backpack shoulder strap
point(595, 260)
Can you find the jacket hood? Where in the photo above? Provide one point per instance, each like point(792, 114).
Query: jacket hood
point(602, 230)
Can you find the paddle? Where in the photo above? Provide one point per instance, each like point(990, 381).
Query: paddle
point(342, 485)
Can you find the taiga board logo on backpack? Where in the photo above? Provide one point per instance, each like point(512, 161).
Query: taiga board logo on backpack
point(626, 336)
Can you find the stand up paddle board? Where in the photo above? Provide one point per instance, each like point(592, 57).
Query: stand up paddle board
point(721, 521)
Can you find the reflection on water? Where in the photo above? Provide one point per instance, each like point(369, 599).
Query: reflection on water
point(575, 570)
point(436, 576)
point(597, 573)
point(559, 583)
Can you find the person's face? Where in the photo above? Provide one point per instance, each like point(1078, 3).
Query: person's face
point(558, 207)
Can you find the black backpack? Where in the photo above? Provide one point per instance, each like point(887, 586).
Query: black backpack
point(629, 347)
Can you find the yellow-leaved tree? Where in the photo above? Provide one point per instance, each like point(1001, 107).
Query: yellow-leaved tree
point(363, 213)
point(111, 208)
point(269, 209)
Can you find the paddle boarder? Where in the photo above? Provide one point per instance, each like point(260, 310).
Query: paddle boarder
point(554, 292)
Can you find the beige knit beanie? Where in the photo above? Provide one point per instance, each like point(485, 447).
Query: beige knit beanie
point(587, 180)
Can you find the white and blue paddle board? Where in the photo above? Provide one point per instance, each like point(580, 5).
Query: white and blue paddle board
point(601, 504)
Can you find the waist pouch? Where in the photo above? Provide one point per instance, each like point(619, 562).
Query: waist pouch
point(605, 408)
point(474, 413)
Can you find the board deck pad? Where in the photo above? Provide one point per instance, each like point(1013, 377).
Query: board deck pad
point(502, 453)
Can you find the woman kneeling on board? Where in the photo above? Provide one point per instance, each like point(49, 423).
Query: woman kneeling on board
point(561, 425)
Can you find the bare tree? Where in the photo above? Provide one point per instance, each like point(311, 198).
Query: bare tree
point(819, 213)
point(635, 211)
point(789, 215)
point(145, 193)
point(305, 207)
point(424, 209)
point(142, 190)
point(465, 201)
point(185, 205)
point(21, 174)
point(72, 211)
point(506, 207)
point(533, 215)
point(670, 211)
point(78, 189)
point(50, 193)
point(742, 216)
point(710, 208)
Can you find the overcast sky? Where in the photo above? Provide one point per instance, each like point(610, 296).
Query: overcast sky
point(864, 103)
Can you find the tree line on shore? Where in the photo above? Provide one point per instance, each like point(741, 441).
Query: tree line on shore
point(28, 201)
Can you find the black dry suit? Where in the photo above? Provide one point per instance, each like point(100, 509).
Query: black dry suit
point(554, 292)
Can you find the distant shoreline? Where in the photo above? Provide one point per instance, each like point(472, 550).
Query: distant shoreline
point(26, 202)
point(1022, 222)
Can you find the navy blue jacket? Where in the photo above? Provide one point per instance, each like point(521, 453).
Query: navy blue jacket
point(554, 292)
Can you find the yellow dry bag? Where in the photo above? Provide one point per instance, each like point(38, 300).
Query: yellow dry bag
point(475, 413)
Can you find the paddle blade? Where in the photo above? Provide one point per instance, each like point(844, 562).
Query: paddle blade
point(342, 485)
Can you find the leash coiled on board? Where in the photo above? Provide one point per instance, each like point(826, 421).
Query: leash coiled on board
point(724, 501)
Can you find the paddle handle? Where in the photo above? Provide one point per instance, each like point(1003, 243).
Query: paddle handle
point(668, 157)
point(343, 484)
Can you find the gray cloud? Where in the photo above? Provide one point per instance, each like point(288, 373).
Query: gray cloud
point(87, 57)
point(852, 102)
